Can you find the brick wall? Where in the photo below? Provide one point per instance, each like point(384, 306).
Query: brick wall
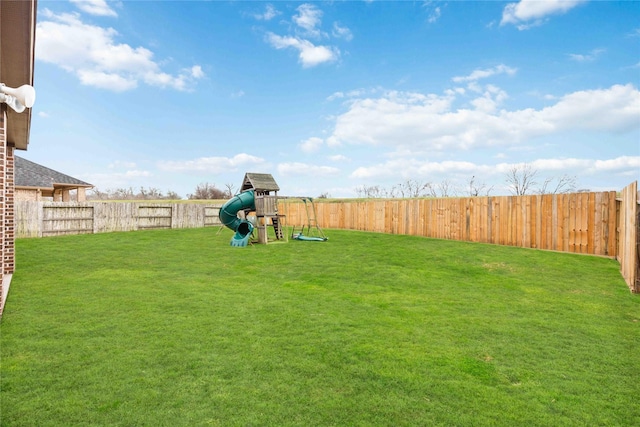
point(3, 148)
point(8, 252)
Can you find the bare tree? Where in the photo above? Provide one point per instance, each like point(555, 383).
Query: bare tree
point(521, 179)
point(564, 184)
point(206, 191)
point(123, 194)
point(129, 194)
point(96, 194)
point(408, 189)
point(431, 190)
point(229, 189)
point(370, 192)
point(393, 193)
point(153, 193)
point(376, 192)
point(413, 188)
point(475, 188)
point(446, 188)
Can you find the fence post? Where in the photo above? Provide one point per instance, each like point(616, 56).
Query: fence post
point(628, 243)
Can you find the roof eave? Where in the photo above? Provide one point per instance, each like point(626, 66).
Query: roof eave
point(17, 52)
point(60, 185)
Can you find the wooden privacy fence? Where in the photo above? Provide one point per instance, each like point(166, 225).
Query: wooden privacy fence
point(581, 222)
point(589, 223)
point(41, 219)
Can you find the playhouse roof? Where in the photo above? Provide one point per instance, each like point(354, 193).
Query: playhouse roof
point(259, 182)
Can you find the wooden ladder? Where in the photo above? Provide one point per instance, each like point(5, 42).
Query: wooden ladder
point(277, 227)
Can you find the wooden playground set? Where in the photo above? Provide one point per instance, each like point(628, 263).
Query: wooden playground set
point(253, 214)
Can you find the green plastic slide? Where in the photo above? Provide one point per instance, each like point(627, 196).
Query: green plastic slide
point(229, 217)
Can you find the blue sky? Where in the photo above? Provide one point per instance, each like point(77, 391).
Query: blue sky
point(333, 96)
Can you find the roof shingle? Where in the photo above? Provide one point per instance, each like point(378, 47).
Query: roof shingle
point(30, 174)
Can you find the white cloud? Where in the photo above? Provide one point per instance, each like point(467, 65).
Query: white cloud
point(620, 163)
point(308, 21)
point(434, 16)
point(92, 54)
point(486, 73)
point(115, 179)
point(310, 55)
point(212, 164)
point(311, 145)
point(354, 93)
point(553, 164)
point(412, 168)
point(591, 56)
point(110, 81)
point(335, 95)
point(309, 18)
point(136, 174)
point(95, 7)
point(122, 174)
point(122, 164)
point(491, 98)
point(43, 114)
point(530, 13)
point(613, 110)
point(196, 72)
point(434, 11)
point(431, 123)
point(338, 158)
point(297, 169)
point(269, 13)
point(341, 32)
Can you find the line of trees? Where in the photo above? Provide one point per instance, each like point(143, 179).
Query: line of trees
point(131, 194)
point(204, 191)
point(521, 180)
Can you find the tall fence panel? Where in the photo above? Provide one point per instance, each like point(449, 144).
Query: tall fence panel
point(28, 218)
point(579, 222)
point(629, 243)
point(110, 217)
point(58, 220)
point(154, 216)
point(41, 219)
point(211, 216)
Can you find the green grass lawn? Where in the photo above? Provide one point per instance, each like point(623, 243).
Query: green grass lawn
point(177, 328)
